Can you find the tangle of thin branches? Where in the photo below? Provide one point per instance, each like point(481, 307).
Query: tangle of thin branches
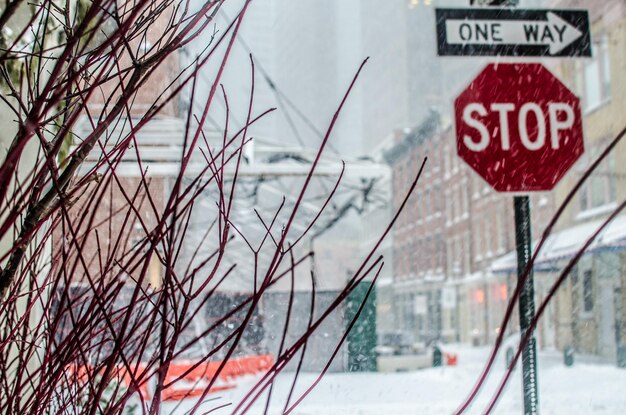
point(104, 274)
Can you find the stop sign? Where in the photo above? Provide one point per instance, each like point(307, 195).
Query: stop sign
point(519, 127)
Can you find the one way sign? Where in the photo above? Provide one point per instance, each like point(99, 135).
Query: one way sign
point(513, 32)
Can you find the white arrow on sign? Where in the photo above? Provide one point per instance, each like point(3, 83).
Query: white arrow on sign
point(554, 32)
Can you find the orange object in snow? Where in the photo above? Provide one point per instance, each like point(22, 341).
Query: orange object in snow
point(188, 379)
point(451, 359)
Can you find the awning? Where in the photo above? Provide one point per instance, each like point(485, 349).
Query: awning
point(566, 243)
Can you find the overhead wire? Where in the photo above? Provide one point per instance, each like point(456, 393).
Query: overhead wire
point(281, 96)
point(289, 108)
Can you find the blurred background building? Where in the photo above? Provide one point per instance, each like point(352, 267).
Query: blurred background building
point(450, 266)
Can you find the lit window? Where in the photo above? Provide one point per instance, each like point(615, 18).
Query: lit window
point(479, 296)
point(415, 3)
point(503, 292)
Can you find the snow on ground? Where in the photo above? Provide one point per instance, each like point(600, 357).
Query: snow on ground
point(582, 389)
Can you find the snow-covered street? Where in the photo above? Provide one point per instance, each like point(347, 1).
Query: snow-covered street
point(585, 388)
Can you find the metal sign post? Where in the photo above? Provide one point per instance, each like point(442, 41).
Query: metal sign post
point(526, 303)
point(492, 123)
point(493, 139)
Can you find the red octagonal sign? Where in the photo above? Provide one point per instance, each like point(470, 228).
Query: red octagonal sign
point(519, 127)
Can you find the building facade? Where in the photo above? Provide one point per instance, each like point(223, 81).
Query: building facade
point(464, 300)
point(591, 312)
point(452, 230)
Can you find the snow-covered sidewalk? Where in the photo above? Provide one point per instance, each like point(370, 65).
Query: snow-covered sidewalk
point(582, 389)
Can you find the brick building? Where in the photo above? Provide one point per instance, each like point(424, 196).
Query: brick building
point(117, 228)
point(452, 230)
point(419, 235)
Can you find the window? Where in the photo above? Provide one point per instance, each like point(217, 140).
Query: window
point(419, 211)
point(427, 204)
point(574, 275)
point(448, 206)
point(436, 159)
point(601, 188)
point(414, 3)
point(455, 163)
point(458, 250)
point(593, 78)
point(587, 292)
point(452, 204)
point(457, 202)
point(488, 238)
point(501, 230)
point(420, 257)
point(441, 249)
point(437, 199)
point(593, 92)
point(477, 185)
point(478, 240)
point(450, 257)
point(428, 254)
point(466, 252)
point(465, 196)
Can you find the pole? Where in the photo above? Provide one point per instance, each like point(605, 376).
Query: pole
point(526, 304)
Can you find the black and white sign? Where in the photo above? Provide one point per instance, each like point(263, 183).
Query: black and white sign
point(513, 32)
